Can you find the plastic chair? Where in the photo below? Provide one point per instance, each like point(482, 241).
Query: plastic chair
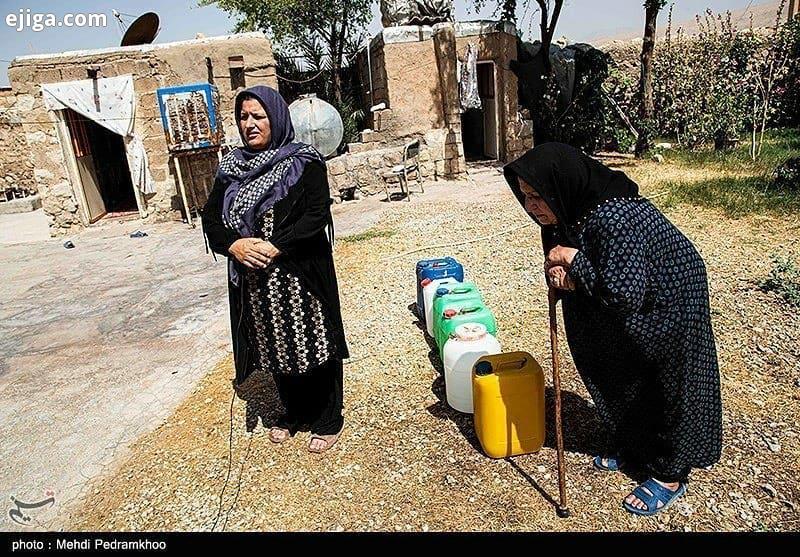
point(410, 166)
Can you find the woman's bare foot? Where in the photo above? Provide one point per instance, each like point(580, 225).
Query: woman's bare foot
point(639, 504)
point(321, 443)
point(278, 434)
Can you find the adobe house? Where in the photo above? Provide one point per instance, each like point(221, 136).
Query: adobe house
point(411, 72)
point(83, 170)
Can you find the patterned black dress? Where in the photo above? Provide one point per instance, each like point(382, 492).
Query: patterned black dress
point(286, 319)
point(290, 330)
point(640, 334)
point(638, 323)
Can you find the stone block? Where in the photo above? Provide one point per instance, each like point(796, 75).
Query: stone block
point(370, 136)
point(25, 103)
point(36, 137)
point(159, 174)
point(359, 148)
point(23, 205)
point(42, 175)
point(367, 176)
point(336, 166)
point(352, 163)
point(394, 157)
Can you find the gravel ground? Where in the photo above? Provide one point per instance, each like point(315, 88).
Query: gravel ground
point(406, 461)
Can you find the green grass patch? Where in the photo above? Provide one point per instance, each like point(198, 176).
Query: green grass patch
point(779, 145)
point(736, 196)
point(368, 235)
point(750, 189)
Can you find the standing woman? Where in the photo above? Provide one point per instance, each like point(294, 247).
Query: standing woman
point(268, 212)
point(636, 312)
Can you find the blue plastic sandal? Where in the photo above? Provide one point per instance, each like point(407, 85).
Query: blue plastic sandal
point(659, 493)
point(612, 464)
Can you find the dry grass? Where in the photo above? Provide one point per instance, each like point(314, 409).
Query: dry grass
point(408, 462)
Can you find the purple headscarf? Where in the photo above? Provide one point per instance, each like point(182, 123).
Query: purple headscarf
point(257, 179)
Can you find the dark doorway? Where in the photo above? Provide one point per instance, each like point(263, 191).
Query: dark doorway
point(112, 168)
point(472, 133)
point(103, 167)
point(479, 125)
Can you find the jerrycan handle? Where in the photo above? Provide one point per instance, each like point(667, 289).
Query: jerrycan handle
point(473, 309)
point(461, 290)
point(517, 364)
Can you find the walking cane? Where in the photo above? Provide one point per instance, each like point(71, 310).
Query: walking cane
point(562, 510)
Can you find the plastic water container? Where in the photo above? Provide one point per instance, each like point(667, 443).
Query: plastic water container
point(429, 288)
point(469, 342)
point(448, 295)
point(508, 399)
point(468, 312)
point(435, 269)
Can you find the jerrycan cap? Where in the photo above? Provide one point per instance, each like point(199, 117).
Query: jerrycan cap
point(449, 313)
point(483, 368)
point(442, 291)
point(470, 332)
point(425, 282)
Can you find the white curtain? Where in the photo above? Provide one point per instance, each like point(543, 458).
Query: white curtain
point(110, 102)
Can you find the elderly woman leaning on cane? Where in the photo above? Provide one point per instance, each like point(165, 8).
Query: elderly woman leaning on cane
point(636, 313)
point(268, 213)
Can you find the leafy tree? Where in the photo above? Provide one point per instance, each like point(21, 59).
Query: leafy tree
point(292, 24)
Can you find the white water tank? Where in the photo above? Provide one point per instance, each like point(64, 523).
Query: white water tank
point(317, 123)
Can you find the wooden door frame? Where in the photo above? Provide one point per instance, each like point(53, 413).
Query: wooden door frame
point(76, 183)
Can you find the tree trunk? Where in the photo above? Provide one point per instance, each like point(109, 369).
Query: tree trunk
point(337, 37)
point(646, 108)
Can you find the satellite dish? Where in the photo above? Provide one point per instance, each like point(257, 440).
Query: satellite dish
point(317, 123)
point(142, 31)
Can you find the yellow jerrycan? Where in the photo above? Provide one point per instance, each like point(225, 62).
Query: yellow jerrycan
point(508, 397)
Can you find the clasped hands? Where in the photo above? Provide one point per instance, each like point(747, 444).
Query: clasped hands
point(254, 253)
point(557, 265)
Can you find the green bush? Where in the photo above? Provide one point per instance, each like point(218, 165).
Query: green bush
point(787, 176)
point(784, 280)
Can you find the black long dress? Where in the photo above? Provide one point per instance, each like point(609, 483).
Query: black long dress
point(639, 329)
point(286, 319)
point(638, 324)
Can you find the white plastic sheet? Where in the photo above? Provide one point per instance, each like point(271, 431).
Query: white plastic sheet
point(109, 101)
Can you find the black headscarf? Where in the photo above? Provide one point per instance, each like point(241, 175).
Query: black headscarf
point(570, 182)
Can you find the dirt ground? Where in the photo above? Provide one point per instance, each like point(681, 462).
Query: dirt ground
point(406, 461)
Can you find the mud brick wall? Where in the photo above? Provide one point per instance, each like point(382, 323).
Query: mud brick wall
point(152, 67)
point(16, 166)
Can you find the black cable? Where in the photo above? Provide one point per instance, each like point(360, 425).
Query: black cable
point(239, 483)
point(230, 461)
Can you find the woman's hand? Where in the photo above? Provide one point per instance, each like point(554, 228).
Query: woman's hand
point(253, 253)
point(270, 250)
point(558, 278)
point(560, 256)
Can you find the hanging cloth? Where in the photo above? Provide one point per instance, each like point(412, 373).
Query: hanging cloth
point(109, 101)
point(468, 80)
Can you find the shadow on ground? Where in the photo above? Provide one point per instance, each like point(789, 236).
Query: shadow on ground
point(260, 395)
